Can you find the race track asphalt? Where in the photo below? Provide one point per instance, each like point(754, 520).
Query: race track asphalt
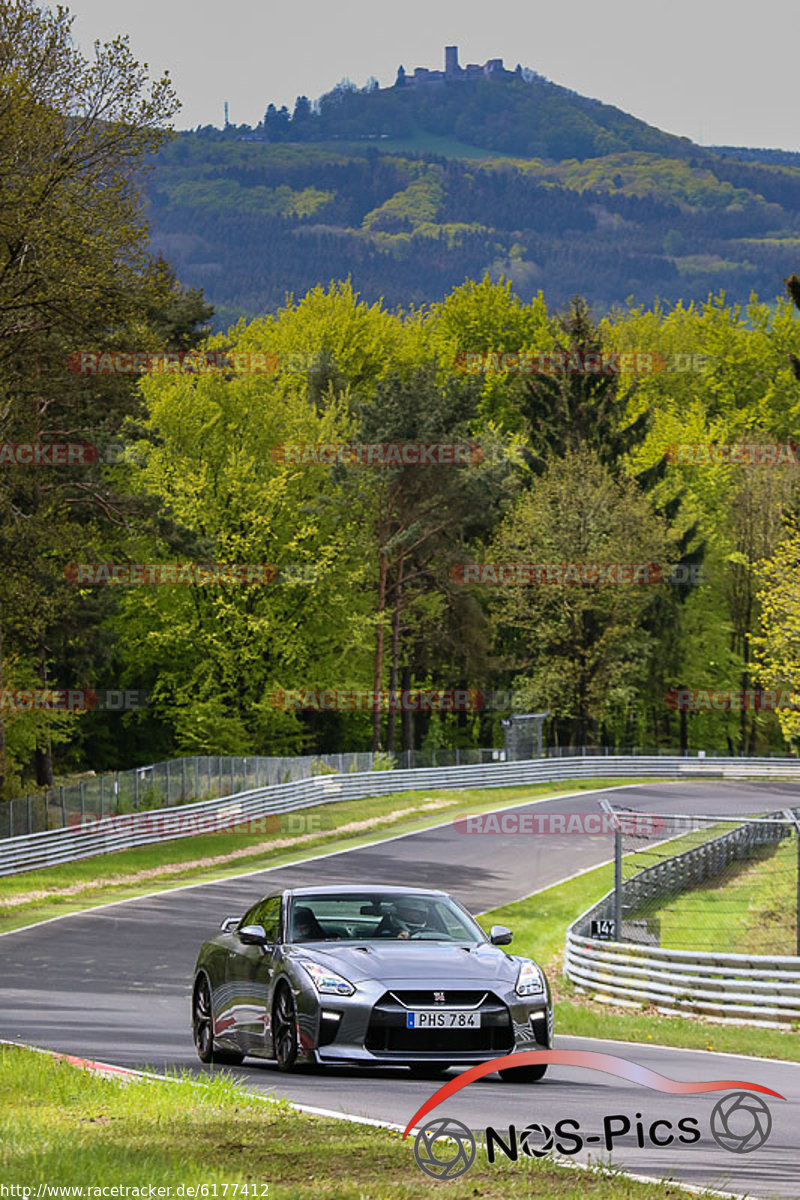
point(113, 984)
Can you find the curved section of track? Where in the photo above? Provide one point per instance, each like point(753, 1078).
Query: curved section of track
point(113, 984)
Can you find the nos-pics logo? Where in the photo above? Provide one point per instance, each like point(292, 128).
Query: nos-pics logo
point(445, 1148)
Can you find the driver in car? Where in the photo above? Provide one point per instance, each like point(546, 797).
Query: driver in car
point(411, 918)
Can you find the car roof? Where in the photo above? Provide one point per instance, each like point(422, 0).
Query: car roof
point(334, 889)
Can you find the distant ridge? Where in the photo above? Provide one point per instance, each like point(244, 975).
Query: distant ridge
point(778, 158)
point(409, 189)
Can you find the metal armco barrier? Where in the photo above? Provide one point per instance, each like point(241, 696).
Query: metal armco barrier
point(31, 851)
point(752, 989)
point(747, 988)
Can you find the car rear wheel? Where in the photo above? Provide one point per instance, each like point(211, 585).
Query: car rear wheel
point(523, 1074)
point(203, 1029)
point(428, 1070)
point(284, 1029)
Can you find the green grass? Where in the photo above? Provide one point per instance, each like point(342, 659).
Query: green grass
point(63, 1126)
point(540, 924)
point(36, 895)
point(751, 909)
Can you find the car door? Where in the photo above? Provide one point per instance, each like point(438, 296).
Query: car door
point(248, 974)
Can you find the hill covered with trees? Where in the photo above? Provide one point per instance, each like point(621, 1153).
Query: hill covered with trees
point(408, 190)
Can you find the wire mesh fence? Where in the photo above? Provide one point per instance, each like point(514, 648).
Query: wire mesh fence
point(723, 884)
point(201, 777)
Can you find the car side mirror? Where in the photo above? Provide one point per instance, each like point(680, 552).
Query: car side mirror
point(253, 935)
point(499, 935)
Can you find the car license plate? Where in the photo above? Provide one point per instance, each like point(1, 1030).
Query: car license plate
point(442, 1018)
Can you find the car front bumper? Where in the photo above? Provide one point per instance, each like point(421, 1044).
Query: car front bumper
point(371, 1027)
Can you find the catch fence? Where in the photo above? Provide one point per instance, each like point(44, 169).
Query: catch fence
point(703, 917)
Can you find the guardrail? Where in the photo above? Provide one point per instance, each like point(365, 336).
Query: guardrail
point(31, 851)
point(750, 988)
point(756, 989)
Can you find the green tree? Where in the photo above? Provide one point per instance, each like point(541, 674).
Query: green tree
point(777, 648)
point(579, 650)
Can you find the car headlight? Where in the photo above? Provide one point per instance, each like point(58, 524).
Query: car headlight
point(530, 980)
point(327, 982)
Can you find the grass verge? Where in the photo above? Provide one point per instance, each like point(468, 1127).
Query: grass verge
point(540, 923)
point(78, 1129)
point(71, 887)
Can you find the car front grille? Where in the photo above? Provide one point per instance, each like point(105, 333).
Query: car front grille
point(387, 1032)
point(453, 998)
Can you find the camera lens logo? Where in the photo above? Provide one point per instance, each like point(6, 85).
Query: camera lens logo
point(454, 1158)
point(531, 1135)
point(740, 1122)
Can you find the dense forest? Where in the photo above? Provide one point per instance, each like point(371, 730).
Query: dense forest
point(250, 222)
point(583, 429)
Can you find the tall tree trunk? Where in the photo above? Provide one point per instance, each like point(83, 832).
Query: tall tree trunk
point(391, 721)
point(2, 724)
point(743, 716)
point(378, 675)
point(407, 714)
point(44, 758)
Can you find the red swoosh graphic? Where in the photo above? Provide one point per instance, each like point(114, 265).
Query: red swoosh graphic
point(623, 1068)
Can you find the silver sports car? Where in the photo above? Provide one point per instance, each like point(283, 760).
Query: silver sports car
point(371, 976)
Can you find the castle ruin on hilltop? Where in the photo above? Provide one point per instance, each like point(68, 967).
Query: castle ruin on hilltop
point(492, 69)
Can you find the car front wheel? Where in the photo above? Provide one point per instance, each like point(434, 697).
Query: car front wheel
point(284, 1029)
point(523, 1074)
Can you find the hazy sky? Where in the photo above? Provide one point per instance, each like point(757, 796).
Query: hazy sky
point(717, 71)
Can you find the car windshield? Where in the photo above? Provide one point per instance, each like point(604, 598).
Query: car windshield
point(362, 916)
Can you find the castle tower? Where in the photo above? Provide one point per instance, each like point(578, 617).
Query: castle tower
point(451, 67)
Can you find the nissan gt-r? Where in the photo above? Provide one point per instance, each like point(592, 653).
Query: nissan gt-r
point(368, 976)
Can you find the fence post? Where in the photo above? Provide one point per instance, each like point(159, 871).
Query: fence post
point(183, 781)
point(136, 791)
point(618, 886)
point(63, 807)
point(83, 802)
point(169, 800)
